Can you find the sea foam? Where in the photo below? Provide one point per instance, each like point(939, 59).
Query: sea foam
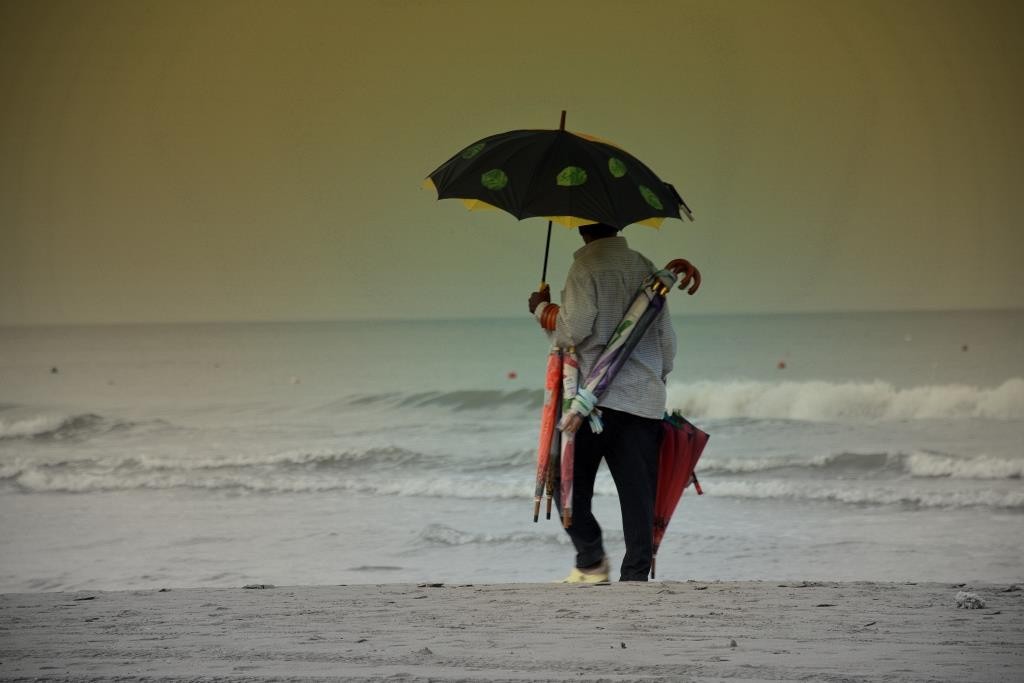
point(823, 401)
point(921, 464)
point(865, 493)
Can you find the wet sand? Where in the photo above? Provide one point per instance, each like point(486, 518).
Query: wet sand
point(748, 631)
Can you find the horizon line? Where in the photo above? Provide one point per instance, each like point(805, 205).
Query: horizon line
point(400, 319)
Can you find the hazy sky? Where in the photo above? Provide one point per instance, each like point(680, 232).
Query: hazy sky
point(170, 160)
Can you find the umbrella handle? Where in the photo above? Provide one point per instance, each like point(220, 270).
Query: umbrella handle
point(696, 485)
point(689, 273)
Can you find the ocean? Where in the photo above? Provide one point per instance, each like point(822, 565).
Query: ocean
point(868, 446)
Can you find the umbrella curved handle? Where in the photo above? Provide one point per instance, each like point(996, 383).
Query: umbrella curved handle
point(688, 272)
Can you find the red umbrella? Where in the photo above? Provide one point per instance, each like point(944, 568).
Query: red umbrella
point(681, 446)
point(549, 417)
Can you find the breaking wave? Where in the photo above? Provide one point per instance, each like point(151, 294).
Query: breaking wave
point(53, 426)
point(808, 401)
point(444, 535)
point(885, 480)
point(736, 401)
point(823, 401)
point(866, 493)
point(55, 480)
point(919, 464)
point(272, 472)
point(980, 467)
point(464, 399)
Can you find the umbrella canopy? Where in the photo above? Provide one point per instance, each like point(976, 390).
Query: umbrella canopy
point(681, 447)
point(570, 178)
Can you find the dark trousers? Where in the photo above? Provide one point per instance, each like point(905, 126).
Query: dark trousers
point(629, 444)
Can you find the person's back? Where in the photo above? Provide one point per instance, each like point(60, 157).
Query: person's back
point(602, 281)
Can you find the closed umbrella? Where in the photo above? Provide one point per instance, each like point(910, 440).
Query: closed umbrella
point(681, 447)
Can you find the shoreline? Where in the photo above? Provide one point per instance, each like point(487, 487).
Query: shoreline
point(753, 630)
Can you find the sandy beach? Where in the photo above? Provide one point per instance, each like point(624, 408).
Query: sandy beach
point(672, 631)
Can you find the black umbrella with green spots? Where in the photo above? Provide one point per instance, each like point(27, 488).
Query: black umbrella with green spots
point(570, 178)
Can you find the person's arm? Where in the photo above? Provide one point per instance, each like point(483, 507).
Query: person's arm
point(575, 320)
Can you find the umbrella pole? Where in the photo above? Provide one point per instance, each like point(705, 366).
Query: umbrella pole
point(544, 273)
point(547, 244)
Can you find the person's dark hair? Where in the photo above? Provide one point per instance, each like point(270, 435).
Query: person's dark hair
point(598, 230)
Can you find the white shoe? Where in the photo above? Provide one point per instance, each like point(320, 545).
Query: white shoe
point(596, 576)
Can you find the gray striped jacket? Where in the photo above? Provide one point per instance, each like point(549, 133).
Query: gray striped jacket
point(604, 277)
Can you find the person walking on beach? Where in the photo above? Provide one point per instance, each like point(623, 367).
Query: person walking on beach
point(603, 279)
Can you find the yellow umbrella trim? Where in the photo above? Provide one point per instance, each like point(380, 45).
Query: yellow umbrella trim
point(568, 221)
point(576, 221)
point(594, 138)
